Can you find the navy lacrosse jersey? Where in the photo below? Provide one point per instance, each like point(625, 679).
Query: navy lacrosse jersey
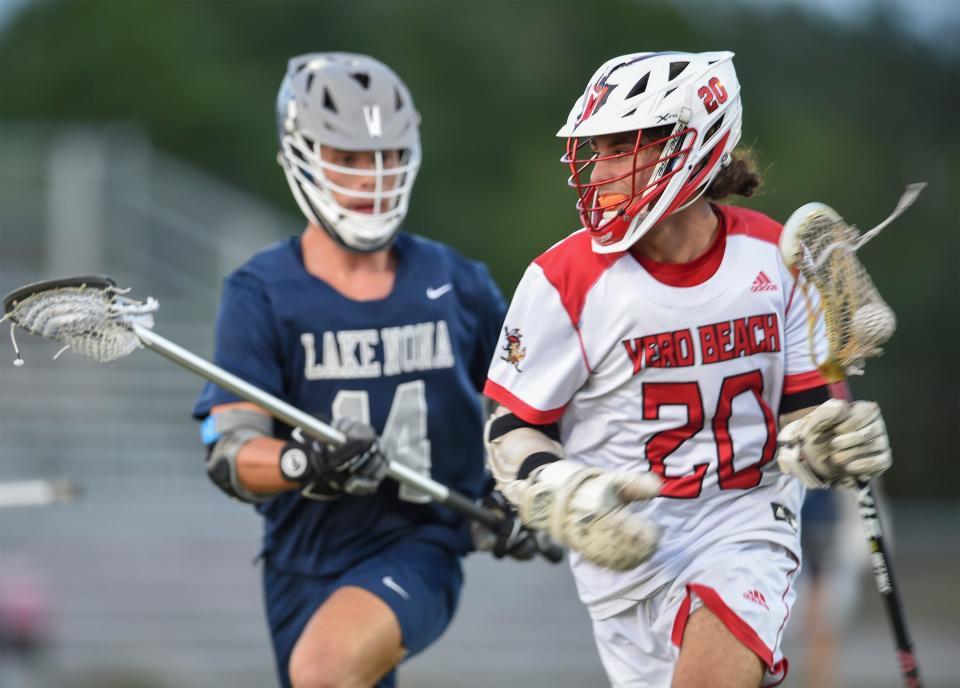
point(412, 365)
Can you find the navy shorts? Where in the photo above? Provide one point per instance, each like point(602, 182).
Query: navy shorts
point(420, 581)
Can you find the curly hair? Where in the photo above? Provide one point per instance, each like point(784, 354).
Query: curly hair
point(739, 178)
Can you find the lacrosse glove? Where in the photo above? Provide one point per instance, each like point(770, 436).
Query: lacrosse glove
point(836, 443)
point(510, 539)
point(327, 471)
point(589, 510)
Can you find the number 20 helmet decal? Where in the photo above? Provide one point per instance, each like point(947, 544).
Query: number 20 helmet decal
point(684, 106)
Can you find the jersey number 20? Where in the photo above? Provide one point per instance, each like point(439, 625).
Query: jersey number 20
point(663, 444)
point(404, 437)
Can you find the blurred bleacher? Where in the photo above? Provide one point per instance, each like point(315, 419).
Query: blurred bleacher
point(79, 201)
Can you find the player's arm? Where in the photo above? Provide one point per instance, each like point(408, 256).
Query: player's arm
point(257, 459)
point(826, 442)
point(248, 463)
point(580, 506)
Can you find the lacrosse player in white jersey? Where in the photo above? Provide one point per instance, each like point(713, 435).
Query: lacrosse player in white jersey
point(649, 364)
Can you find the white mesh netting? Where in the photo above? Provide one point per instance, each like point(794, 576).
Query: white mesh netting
point(91, 321)
point(847, 294)
point(858, 320)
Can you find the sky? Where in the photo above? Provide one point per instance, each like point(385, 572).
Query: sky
point(8, 8)
point(921, 17)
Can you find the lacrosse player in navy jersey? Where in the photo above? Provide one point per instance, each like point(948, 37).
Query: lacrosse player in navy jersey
point(386, 335)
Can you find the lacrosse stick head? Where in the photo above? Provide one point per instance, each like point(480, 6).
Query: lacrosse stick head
point(89, 315)
point(821, 248)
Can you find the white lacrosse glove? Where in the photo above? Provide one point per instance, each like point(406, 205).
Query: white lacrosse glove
point(586, 509)
point(835, 443)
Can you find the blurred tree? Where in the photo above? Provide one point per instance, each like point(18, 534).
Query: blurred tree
point(843, 114)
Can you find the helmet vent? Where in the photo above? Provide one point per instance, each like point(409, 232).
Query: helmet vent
point(362, 79)
point(668, 92)
point(713, 129)
point(398, 103)
point(328, 101)
point(640, 86)
point(310, 77)
point(676, 69)
point(629, 113)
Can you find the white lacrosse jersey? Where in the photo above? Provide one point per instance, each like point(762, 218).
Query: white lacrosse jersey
point(677, 369)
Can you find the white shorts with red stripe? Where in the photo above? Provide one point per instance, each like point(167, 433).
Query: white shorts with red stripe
point(748, 586)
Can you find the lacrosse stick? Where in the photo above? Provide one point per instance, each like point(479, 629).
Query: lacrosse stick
point(822, 248)
point(95, 319)
point(36, 492)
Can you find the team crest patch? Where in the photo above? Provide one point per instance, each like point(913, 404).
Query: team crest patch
point(515, 352)
point(782, 513)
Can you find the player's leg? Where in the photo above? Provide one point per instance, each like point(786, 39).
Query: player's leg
point(352, 641)
point(819, 639)
point(819, 518)
point(295, 601)
point(290, 600)
point(635, 650)
point(834, 557)
point(390, 606)
point(728, 625)
point(712, 657)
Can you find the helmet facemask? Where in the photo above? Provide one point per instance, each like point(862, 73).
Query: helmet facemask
point(601, 212)
point(312, 177)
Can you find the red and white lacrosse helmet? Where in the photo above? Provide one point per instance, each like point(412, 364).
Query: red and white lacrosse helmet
point(692, 99)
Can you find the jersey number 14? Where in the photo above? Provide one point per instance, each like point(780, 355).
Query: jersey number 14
point(404, 437)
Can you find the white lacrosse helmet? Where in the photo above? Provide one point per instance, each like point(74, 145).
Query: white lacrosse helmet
point(691, 100)
point(352, 103)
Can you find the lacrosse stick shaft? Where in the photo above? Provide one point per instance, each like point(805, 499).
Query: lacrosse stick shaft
point(34, 493)
point(321, 431)
point(882, 569)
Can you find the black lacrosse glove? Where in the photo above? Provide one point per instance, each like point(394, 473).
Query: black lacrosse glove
point(326, 471)
point(510, 539)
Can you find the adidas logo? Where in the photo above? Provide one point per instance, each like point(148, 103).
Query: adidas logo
point(763, 283)
point(756, 596)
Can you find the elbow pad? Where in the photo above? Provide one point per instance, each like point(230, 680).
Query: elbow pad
point(516, 448)
point(224, 433)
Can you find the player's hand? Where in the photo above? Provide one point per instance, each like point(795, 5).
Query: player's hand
point(587, 509)
point(357, 467)
point(835, 443)
point(510, 539)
